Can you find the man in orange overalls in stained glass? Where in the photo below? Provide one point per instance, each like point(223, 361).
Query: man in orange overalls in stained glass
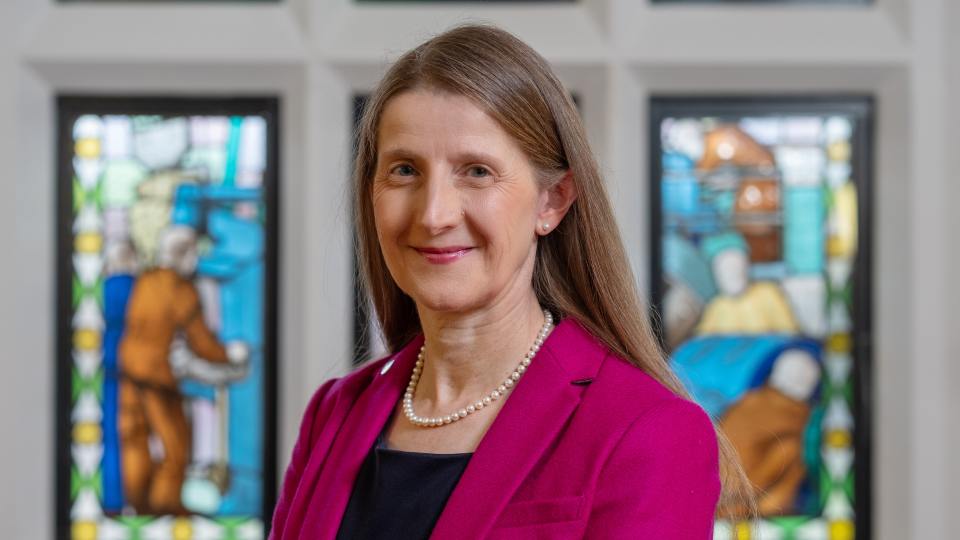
point(163, 303)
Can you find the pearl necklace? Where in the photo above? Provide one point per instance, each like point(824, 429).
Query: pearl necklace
point(499, 392)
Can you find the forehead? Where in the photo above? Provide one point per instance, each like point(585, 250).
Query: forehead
point(431, 120)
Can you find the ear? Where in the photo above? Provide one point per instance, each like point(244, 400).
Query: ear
point(555, 202)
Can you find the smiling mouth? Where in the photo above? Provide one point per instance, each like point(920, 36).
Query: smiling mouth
point(443, 255)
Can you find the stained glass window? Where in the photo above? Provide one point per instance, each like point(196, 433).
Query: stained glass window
point(761, 278)
point(166, 354)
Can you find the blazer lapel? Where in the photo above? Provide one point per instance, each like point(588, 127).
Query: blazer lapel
point(363, 423)
point(532, 417)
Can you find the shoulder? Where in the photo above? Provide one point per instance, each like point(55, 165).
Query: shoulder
point(619, 390)
point(618, 378)
point(337, 395)
point(643, 411)
point(156, 276)
point(671, 430)
point(352, 384)
point(763, 289)
point(657, 435)
point(331, 402)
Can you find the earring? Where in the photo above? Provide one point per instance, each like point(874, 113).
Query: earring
point(545, 227)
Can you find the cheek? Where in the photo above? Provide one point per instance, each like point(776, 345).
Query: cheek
point(388, 214)
point(507, 221)
point(388, 225)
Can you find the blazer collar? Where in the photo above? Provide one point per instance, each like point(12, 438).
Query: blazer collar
point(531, 418)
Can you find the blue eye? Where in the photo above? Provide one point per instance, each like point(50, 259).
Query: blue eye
point(478, 172)
point(403, 170)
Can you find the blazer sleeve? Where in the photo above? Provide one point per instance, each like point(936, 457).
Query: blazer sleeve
point(662, 478)
point(301, 453)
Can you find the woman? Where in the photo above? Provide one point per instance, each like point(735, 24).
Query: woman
point(526, 396)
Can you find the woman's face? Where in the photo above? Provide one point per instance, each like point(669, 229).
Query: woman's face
point(456, 203)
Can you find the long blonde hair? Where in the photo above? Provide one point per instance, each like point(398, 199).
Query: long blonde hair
point(581, 269)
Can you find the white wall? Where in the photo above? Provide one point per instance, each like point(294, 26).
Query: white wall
point(316, 53)
point(952, 245)
point(9, 394)
point(929, 206)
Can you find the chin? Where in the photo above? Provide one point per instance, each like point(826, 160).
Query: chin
point(450, 290)
point(451, 299)
point(443, 304)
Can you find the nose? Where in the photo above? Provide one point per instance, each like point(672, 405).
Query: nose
point(440, 205)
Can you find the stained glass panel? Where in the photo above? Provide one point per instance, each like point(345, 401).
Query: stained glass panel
point(166, 352)
point(761, 279)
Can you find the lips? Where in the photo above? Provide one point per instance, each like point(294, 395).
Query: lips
point(443, 255)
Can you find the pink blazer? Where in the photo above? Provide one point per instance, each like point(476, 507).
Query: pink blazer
point(586, 445)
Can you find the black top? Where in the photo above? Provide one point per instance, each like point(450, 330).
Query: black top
point(399, 495)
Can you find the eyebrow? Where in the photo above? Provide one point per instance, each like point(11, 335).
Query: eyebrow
point(467, 156)
point(397, 153)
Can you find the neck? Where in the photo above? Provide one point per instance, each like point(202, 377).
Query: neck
point(469, 354)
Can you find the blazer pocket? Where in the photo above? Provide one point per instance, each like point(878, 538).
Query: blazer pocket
point(539, 511)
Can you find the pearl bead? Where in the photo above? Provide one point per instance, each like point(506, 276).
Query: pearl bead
point(495, 394)
point(509, 382)
point(471, 409)
point(487, 400)
point(514, 375)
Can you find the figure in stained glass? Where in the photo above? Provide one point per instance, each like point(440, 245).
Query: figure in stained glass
point(163, 303)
